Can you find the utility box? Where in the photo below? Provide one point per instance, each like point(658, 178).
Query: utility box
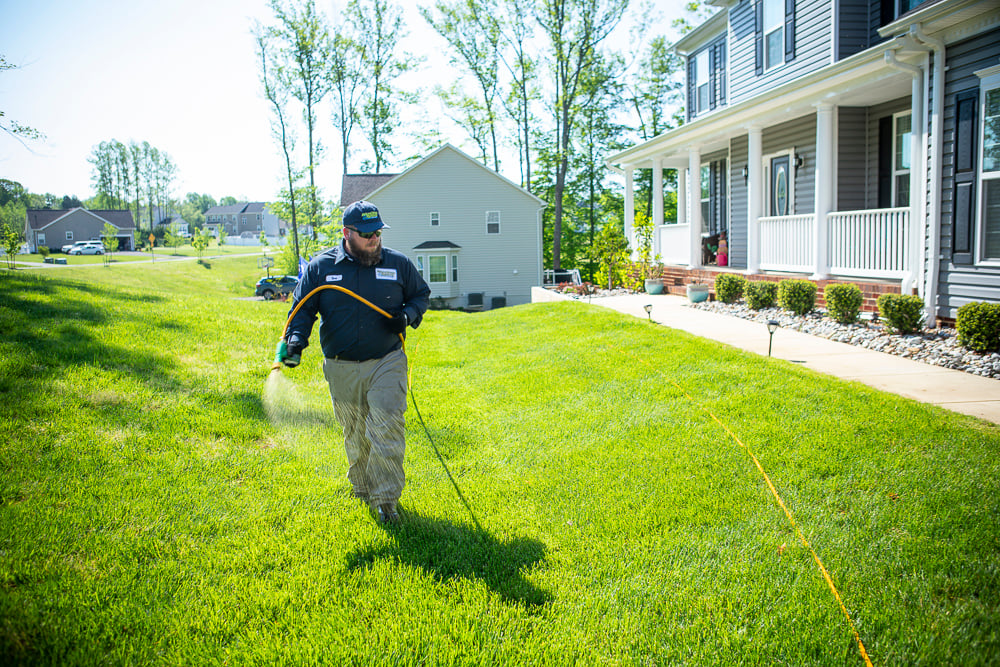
point(499, 302)
point(475, 301)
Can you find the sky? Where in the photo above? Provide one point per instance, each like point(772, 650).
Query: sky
point(182, 75)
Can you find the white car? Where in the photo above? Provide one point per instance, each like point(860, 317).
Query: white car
point(69, 246)
point(89, 248)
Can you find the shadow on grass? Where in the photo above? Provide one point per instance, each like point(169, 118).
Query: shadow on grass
point(450, 550)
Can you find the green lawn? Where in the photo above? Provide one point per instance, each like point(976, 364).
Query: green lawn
point(158, 506)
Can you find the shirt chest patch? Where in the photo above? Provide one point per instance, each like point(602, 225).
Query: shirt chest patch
point(334, 277)
point(385, 274)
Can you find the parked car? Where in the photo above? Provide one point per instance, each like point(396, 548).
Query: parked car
point(88, 248)
point(76, 244)
point(269, 287)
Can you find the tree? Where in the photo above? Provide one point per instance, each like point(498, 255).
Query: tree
point(512, 20)
point(380, 26)
point(13, 127)
point(348, 83)
point(276, 93)
point(200, 242)
point(611, 252)
point(304, 39)
point(109, 239)
point(11, 245)
point(473, 33)
point(575, 30)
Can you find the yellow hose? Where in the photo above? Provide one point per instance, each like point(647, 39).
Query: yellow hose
point(284, 332)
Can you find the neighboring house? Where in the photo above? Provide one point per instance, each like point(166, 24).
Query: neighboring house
point(475, 236)
point(840, 139)
point(56, 228)
point(243, 218)
point(172, 220)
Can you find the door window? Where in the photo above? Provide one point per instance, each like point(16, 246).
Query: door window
point(780, 189)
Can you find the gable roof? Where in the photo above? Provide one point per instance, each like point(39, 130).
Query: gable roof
point(239, 207)
point(355, 187)
point(420, 163)
point(39, 219)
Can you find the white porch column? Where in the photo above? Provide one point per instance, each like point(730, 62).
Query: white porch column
point(657, 203)
point(629, 204)
point(755, 154)
point(825, 183)
point(694, 196)
point(682, 214)
point(918, 172)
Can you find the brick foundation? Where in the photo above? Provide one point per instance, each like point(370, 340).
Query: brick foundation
point(676, 279)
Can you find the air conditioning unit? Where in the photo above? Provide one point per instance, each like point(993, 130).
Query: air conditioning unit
point(499, 302)
point(475, 301)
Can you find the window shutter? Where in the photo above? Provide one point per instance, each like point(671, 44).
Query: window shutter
point(692, 88)
point(789, 30)
point(758, 36)
point(964, 198)
point(885, 162)
point(720, 71)
point(712, 69)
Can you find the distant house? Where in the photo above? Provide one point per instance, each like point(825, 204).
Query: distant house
point(475, 236)
point(171, 219)
point(243, 218)
point(850, 140)
point(55, 228)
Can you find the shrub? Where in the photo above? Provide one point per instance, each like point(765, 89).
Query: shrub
point(798, 296)
point(729, 287)
point(902, 312)
point(978, 326)
point(843, 302)
point(761, 293)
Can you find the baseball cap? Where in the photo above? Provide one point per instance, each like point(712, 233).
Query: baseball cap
point(364, 217)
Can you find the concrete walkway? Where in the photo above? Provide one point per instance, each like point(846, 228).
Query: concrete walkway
point(953, 390)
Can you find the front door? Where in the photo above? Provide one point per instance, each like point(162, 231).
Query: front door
point(780, 174)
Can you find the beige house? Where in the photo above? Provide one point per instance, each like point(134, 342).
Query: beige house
point(55, 228)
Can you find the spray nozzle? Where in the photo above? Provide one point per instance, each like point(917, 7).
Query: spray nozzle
point(281, 355)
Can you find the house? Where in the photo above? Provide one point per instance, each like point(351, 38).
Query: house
point(475, 236)
point(851, 140)
point(171, 219)
point(56, 228)
point(243, 217)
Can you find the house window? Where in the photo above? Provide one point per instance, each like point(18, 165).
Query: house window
point(492, 222)
point(40, 240)
point(435, 219)
point(438, 268)
point(454, 268)
point(774, 33)
point(901, 159)
point(702, 69)
point(706, 195)
point(990, 170)
point(69, 235)
point(420, 267)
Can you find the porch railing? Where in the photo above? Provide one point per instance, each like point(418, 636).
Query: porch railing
point(786, 243)
point(870, 244)
point(675, 243)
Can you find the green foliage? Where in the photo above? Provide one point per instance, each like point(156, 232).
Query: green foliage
point(109, 239)
point(11, 240)
point(843, 302)
point(729, 287)
point(761, 293)
point(978, 326)
point(798, 296)
point(903, 313)
point(200, 241)
point(610, 251)
point(650, 266)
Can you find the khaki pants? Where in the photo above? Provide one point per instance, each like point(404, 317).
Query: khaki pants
point(369, 399)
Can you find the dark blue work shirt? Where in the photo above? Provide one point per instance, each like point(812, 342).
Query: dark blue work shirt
point(349, 329)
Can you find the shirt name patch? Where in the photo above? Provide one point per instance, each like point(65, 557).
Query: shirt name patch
point(385, 274)
point(334, 278)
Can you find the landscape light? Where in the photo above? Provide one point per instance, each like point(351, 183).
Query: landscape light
point(772, 326)
point(649, 311)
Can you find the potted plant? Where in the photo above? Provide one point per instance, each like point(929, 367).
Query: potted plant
point(650, 266)
point(697, 292)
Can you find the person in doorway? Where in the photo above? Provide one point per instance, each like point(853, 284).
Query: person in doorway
point(364, 361)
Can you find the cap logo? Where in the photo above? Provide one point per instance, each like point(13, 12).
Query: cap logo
point(369, 215)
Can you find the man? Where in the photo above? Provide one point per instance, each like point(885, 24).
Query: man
point(364, 362)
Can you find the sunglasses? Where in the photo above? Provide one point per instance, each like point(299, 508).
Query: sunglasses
point(366, 235)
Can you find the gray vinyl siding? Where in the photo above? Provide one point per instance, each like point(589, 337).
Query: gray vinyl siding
point(798, 134)
point(507, 264)
point(960, 284)
point(875, 114)
point(853, 27)
point(852, 159)
point(85, 227)
point(813, 44)
point(738, 154)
